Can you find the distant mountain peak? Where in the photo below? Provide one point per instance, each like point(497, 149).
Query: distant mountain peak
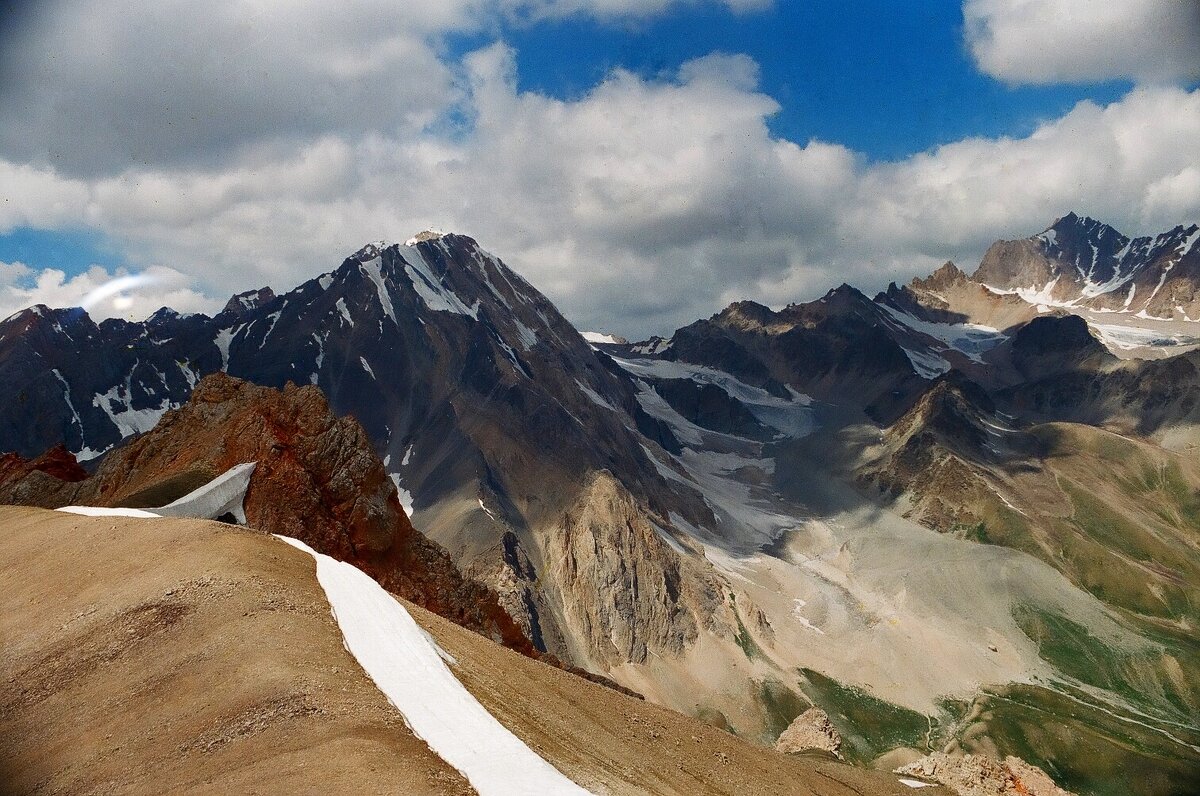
point(947, 275)
point(241, 303)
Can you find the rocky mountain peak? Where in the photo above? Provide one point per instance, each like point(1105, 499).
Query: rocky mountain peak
point(745, 315)
point(426, 235)
point(242, 303)
point(948, 275)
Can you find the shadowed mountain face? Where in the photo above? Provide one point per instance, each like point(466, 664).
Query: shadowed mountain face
point(737, 520)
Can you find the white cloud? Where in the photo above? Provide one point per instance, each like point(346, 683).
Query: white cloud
point(102, 293)
point(1056, 41)
point(638, 207)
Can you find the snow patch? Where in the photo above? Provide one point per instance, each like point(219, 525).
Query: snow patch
point(345, 312)
point(222, 340)
point(223, 495)
point(373, 268)
point(927, 364)
point(599, 337)
point(406, 497)
point(99, 511)
point(436, 296)
point(970, 339)
point(790, 417)
point(116, 404)
point(916, 783)
point(410, 669)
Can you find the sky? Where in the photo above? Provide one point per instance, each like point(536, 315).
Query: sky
point(642, 162)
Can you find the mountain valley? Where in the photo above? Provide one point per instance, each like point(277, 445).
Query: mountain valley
point(962, 515)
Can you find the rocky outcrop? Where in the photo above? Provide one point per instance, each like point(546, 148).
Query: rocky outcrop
point(976, 775)
point(810, 730)
point(47, 481)
point(623, 587)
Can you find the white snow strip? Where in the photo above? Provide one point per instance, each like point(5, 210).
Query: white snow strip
point(594, 396)
point(410, 669)
point(98, 511)
point(486, 510)
point(599, 337)
point(916, 783)
point(374, 271)
point(71, 405)
point(367, 367)
point(273, 318)
point(437, 297)
point(345, 311)
point(799, 617)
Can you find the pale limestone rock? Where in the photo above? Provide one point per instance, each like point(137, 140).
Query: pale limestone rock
point(810, 730)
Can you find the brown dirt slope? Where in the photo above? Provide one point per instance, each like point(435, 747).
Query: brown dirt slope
point(612, 744)
point(184, 656)
point(187, 656)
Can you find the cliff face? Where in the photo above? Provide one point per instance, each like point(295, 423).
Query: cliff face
point(622, 584)
point(317, 479)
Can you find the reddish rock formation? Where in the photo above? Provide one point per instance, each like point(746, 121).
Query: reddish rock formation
point(58, 462)
point(48, 481)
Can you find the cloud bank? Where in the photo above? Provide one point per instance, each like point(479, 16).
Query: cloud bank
point(638, 207)
point(1056, 41)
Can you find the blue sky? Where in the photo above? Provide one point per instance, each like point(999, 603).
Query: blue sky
point(643, 163)
point(885, 78)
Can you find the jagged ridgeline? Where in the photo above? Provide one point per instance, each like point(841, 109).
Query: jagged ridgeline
point(959, 515)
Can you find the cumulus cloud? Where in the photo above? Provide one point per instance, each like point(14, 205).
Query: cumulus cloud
point(638, 207)
point(1055, 41)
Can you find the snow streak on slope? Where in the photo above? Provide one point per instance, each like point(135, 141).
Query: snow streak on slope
point(99, 511)
point(410, 669)
point(789, 417)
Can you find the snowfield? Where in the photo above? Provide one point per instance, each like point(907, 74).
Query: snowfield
point(410, 669)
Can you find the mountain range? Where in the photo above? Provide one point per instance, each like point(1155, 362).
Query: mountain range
point(960, 515)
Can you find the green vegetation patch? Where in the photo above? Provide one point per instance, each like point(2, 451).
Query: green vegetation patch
point(780, 705)
point(1137, 676)
point(869, 726)
point(743, 638)
point(1084, 748)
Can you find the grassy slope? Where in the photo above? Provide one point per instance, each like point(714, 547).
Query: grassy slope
point(1121, 519)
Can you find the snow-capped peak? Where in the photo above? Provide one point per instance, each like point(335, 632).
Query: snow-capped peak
point(372, 250)
point(421, 237)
